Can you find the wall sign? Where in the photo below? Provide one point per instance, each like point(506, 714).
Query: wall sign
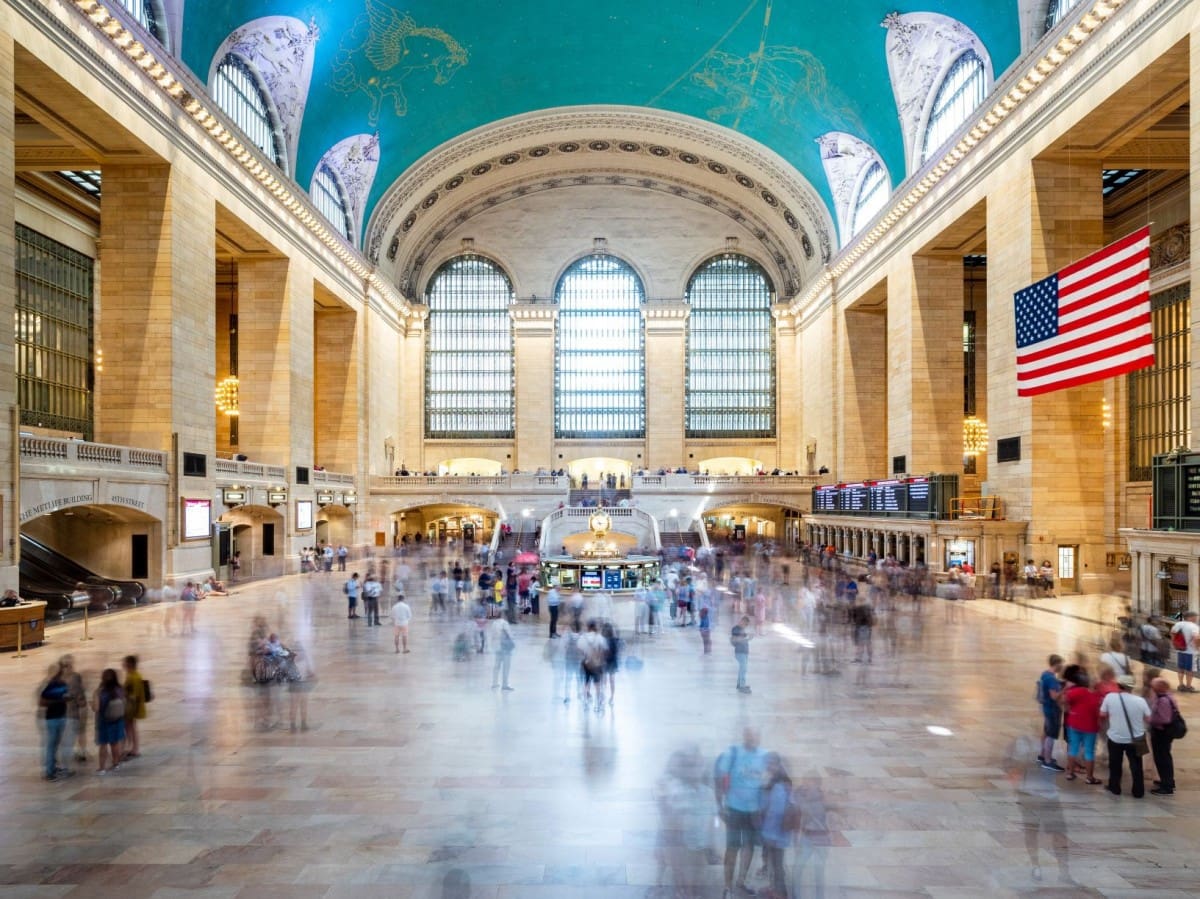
point(304, 514)
point(197, 518)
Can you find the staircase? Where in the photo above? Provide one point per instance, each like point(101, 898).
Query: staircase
point(595, 496)
point(671, 541)
point(516, 542)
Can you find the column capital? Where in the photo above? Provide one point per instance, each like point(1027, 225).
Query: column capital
point(666, 314)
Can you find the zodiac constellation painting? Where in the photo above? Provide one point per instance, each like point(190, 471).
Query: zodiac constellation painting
point(776, 78)
point(385, 49)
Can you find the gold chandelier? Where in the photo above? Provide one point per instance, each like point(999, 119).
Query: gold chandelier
point(975, 436)
point(227, 396)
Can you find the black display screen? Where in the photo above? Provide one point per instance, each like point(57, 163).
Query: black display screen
point(854, 498)
point(825, 499)
point(918, 496)
point(889, 497)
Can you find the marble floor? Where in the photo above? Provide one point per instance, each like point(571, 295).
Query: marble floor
point(416, 779)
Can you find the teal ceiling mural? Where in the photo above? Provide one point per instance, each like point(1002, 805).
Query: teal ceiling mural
point(420, 72)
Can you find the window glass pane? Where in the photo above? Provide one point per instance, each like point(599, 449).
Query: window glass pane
point(599, 366)
point(143, 10)
point(237, 93)
point(872, 196)
point(1058, 11)
point(469, 351)
point(330, 201)
point(1160, 397)
point(730, 351)
point(960, 94)
point(53, 332)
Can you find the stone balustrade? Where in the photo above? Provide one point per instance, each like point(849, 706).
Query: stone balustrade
point(231, 470)
point(59, 452)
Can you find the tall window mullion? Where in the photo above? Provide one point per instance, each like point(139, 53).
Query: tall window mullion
point(960, 93)
point(469, 352)
point(1160, 399)
point(731, 351)
point(600, 372)
point(237, 92)
point(54, 333)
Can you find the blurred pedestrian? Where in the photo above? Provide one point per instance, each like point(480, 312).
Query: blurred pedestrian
point(1127, 716)
point(740, 638)
point(135, 706)
point(108, 703)
point(738, 786)
point(705, 628)
point(1163, 714)
point(503, 646)
point(351, 588)
point(401, 616)
point(75, 736)
point(777, 824)
point(52, 702)
point(371, 591)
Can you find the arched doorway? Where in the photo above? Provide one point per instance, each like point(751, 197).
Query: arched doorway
point(257, 539)
point(334, 526)
point(455, 527)
point(113, 542)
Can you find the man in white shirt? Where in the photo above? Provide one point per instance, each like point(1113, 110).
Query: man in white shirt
point(1189, 636)
point(401, 616)
point(1127, 717)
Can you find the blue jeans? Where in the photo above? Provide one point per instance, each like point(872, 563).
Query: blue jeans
point(54, 732)
point(743, 662)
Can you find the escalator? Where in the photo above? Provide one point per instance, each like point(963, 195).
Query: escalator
point(51, 577)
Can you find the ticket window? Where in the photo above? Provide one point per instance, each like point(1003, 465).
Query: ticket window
point(960, 552)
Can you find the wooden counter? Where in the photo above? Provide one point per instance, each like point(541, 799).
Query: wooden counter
point(30, 617)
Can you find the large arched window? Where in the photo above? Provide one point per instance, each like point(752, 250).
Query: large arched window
point(1057, 11)
point(150, 16)
point(330, 199)
point(469, 351)
point(730, 350)
point(599, 351)
point(961, 92)
point(871, 197)
point(239, 93)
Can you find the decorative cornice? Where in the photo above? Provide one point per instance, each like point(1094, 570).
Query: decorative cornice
point(408, 279)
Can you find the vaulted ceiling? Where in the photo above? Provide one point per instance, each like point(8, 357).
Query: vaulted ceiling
point(393, 81)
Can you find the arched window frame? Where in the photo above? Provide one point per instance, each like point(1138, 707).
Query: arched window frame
point(152, 16)
point(960, 92)
point(600, 357)
point(469, 358)
point(255, 115)
point(870, 196)
point(329, 196)
point(1057, 11)
point(730, 359)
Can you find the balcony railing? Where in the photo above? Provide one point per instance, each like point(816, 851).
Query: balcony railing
point(680, 481)
point(68, 453)
point(515, 482)
point(321, 476)
point(246, 471)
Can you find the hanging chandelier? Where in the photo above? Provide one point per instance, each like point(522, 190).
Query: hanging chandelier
point(975, 436)
point(227, 396)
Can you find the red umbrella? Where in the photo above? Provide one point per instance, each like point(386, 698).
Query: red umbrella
point(526, 558)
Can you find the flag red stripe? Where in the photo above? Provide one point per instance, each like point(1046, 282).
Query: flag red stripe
point(1084, 359)
point(1083, 340)
point(1106, 312)
point(1067, 301)
point(1086, 378)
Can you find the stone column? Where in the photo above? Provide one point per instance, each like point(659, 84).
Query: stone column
point(1048, 215)
point(275, 333)
point(337, 339)
point(666, 379)
point(789, 421)
point(924, 346)
point(533, 344)
point(862, 441)
point(9, 501)
point(156, 300)
point(411, 445)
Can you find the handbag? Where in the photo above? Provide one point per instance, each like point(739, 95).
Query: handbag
point(1177, 729)
point(1141, 744)
point(147, 693)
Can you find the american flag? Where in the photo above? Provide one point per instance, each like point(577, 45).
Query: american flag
point(1089, 321)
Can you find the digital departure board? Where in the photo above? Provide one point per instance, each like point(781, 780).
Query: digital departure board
point(825, 499)
point(923, 497)
point(853, 498)
point(889, 497)
point(918, 496)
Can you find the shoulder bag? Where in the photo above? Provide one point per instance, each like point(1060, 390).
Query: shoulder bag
point(1141, 744)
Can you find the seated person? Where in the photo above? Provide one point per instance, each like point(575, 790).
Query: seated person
point(212, 585)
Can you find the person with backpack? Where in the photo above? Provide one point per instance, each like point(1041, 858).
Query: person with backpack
point(108, 703)
point(1185, 638)
point(738, 785)
point(136, 697)
point(779, 823)
point(1166, 726)
point(593, 649)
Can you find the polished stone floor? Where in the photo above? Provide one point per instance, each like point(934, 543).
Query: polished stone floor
point(416, 779)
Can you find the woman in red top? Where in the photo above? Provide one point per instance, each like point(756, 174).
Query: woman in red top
point(1083, 723)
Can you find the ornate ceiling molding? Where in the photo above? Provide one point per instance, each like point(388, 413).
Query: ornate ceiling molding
point(609, 138)
point(775, 244)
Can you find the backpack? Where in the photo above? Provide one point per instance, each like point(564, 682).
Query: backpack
point(114, 710)
point(147, 693)
point(1177, 729)
point(1179, 641)
point(792, 816)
